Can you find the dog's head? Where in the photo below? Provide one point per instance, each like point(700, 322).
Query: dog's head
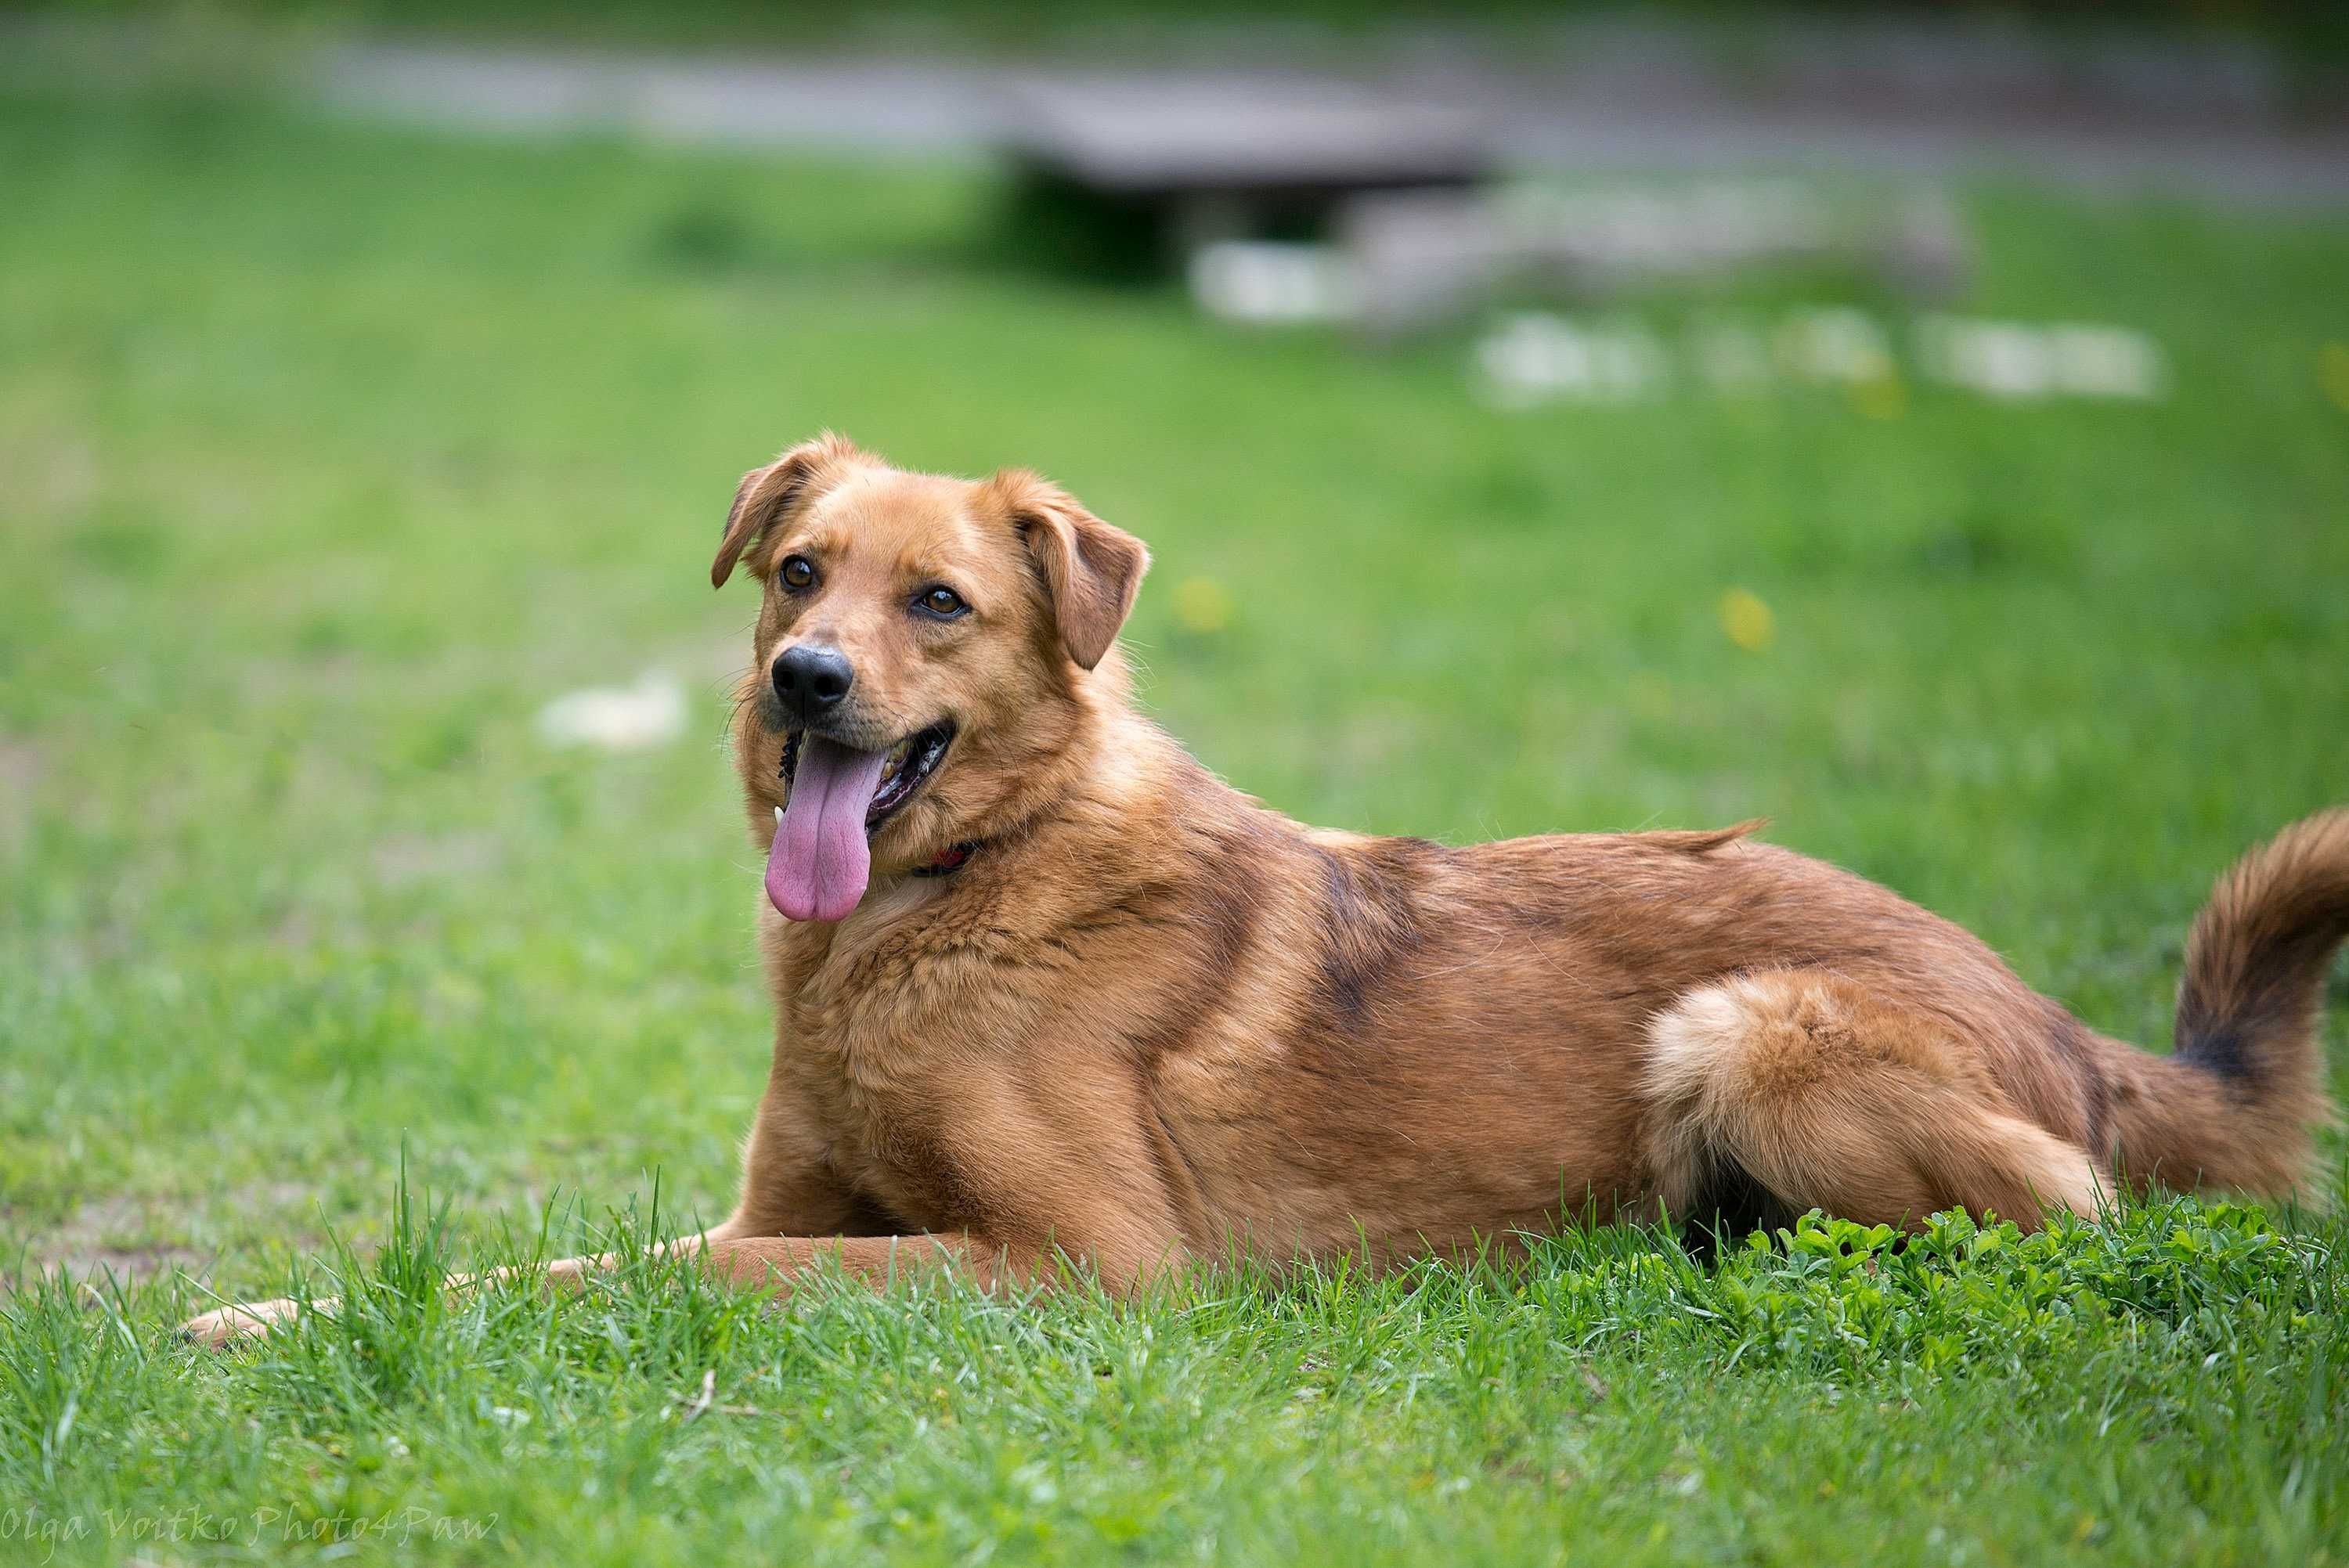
point(928, 649)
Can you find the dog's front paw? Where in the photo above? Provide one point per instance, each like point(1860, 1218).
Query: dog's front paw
point(226, 1325)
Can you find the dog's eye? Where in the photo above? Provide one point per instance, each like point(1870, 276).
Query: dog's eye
point(940, 603)
point(798, 571)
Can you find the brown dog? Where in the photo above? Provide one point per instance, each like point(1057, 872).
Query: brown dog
point(1047, 988)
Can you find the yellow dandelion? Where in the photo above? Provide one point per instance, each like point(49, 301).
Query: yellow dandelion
point(2333, 372)
point(1747, 620)
point(1203, 606)
point(1881, 397)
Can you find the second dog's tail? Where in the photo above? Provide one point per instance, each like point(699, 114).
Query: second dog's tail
point(2234, 1106)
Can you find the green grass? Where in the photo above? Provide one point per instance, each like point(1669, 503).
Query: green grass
point(325, 457)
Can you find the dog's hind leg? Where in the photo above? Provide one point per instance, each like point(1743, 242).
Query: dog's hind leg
point(1778, 1092)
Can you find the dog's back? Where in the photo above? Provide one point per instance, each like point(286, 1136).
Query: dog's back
point(1434, 1037)
point(1461, 1041)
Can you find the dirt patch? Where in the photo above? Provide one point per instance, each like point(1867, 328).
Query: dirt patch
point(22, 764)
point(127, 1265)
point(141, 1238)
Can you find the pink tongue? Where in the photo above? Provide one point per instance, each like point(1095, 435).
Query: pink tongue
point(820, 862)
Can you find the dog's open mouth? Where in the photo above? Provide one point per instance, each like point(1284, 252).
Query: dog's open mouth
point(837, 797)
point(905, 767)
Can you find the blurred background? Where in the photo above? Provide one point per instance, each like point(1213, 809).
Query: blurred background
point(1927, 427)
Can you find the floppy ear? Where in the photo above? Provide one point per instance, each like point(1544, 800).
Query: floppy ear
point(1092, 569)
point(769, 495)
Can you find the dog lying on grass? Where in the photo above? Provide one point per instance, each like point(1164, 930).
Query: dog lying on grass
point(1048, 989)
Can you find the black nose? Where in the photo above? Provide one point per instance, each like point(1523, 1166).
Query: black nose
point(812, 681)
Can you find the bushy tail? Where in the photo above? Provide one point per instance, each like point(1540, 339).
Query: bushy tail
point(2256, 962)
point(2234, 1106)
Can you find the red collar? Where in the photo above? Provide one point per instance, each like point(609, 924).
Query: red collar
point(947, 861)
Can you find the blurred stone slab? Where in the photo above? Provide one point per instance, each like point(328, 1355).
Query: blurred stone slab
point(1174, 135)
point(1184, 160)
point(1530, 358)
point(1416, 259)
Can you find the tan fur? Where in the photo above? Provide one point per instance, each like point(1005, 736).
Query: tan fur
point(1150, 1019)
point(1821, 1088)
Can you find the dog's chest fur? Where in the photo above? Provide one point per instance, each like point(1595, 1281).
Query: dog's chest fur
point(889, 1022)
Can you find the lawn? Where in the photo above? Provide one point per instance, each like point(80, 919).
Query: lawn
point(328, 456)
